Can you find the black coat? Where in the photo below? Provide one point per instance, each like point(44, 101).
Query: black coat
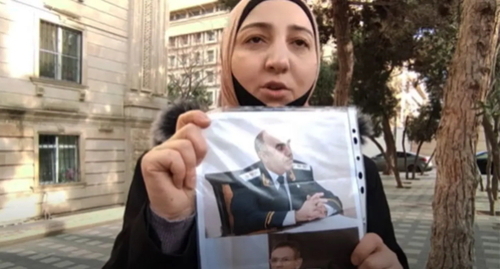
point(137, 246)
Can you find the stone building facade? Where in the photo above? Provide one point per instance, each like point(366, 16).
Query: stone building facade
point(194, 37)
point(80, 83)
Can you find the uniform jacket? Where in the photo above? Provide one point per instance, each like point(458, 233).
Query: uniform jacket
point(257, 204)
point(137, 246)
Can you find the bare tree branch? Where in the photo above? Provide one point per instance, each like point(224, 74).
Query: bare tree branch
point(187, 79)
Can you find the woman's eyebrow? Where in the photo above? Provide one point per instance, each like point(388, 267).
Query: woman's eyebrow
point(298, 28)
point(262, 25)
point(268, 26)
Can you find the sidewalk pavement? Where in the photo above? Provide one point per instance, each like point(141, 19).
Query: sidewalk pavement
point(38, 229)
point(411, 211)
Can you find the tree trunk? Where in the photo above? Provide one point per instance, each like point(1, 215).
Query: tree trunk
point(452, 237)
point(489, 187)
point(415, 162)
point(390, 146)
point(489, 193)
point(381, 149)
point(378, 145)
point(496, 169)
point(488, 135)
point(429, 161)
point(480, 178)
point(488, 167)
point(345, 52)
point(404, 147)
point(493, 160)
point(388, 168)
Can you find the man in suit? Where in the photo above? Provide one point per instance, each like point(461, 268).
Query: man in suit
point(285, 255)
point(277, 191)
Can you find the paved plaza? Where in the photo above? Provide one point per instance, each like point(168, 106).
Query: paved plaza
point(87, 249)
point(411, 213)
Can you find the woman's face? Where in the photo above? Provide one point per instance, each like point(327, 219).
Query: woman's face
point(274, 55)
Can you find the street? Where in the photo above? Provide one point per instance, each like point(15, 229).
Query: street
point(410, 208)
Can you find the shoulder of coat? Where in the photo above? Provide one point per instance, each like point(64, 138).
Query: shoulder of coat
point(301, 166)
point(254, 173)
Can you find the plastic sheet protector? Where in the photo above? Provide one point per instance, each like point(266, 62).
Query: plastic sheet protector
point(280, 188)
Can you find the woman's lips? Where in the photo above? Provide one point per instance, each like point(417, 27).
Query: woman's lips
point(274, 93)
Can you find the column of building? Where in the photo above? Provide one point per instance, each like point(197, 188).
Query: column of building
point(146, 94)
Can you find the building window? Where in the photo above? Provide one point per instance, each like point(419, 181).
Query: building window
point(211, 56)
point(197, 38)
point(178, 16)
point(197, 57)
point(210, 76)
point(219, 7)
point(184, 59)
point(58, 159)
point(185, 40)
point(171, 41)
point(212, 96)
point(210, 36)
point(185, 80)
point(60, 52)
point(171, 61)
point(195, 13)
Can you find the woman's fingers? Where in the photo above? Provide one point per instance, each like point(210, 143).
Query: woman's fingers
point(180, 155)
point(196, 117)
point(188, 154)
point(175, 164)
point(164, 159)
point(193, 134)
point(179, 158)
point(171, 166)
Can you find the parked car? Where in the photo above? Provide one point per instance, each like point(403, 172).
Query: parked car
point(482, 162)
point(410, 160)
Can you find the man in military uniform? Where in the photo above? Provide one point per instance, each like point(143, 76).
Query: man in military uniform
point(277, 191)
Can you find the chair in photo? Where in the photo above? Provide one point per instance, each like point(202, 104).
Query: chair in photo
point(220, 183)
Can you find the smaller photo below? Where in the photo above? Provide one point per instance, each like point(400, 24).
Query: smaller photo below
point(313, 250)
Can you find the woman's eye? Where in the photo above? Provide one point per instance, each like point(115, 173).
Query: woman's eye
point(301, 43)
point(254, 40)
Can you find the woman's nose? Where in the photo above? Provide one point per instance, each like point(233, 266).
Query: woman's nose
point(277, 60)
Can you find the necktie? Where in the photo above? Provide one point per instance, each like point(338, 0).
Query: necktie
point(281, 181)
point(282, 190)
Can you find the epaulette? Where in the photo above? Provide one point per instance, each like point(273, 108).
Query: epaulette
point(250, 175)
point(301, 166)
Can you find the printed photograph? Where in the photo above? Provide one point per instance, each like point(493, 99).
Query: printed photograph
point(279, 187)
point(318, 250)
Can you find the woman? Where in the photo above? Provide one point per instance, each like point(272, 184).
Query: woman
point(270, 56)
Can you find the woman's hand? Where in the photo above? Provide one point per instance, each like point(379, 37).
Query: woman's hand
point(169, 169)
point(372, 253)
